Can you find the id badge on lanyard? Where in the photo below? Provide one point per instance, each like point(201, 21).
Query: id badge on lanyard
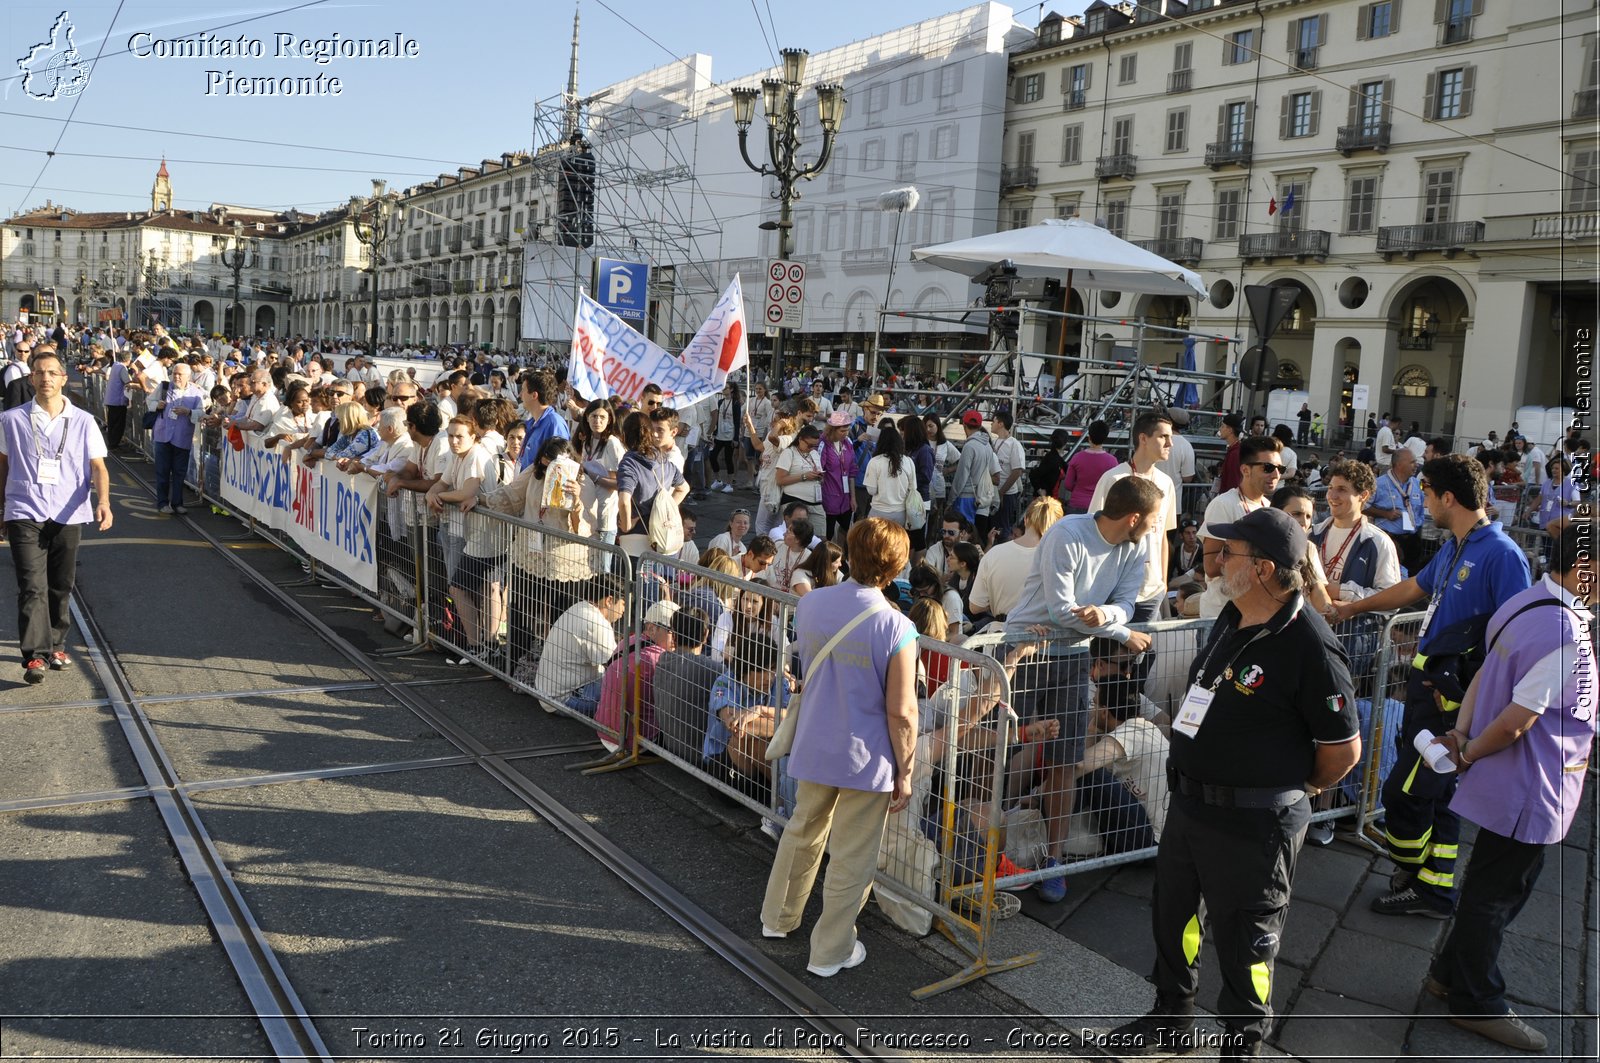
point(49, 472)
point(1196, 703)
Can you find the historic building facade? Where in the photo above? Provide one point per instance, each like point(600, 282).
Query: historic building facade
point(1423, 171)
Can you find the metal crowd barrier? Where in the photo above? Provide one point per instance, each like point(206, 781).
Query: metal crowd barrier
point(1382, 717)
point(1106, 810)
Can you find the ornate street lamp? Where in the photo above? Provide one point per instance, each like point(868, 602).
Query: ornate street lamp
point(779, 97)
point(235, 257)
point(376, 231)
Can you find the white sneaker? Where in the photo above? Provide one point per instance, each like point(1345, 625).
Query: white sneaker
point(716, 485)
point(164, 508)
point(727, 489)
point(772, 828)
point(857, 956)
point(768, 932)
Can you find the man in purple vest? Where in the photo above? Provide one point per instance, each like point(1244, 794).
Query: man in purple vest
point(1522, 746)
point(51, 453)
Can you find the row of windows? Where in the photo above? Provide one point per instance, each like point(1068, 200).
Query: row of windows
point(947, 85)
point(943, 143)
point(1449, 94)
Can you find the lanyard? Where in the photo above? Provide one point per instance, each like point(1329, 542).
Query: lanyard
point(1444, 581)
point(1405, 492)
point(38, 450)
point(1260, 634)
point(1333, 567)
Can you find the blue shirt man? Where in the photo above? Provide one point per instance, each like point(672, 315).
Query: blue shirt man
point(544, 422)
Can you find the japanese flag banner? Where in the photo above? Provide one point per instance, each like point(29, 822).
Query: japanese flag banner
point(720, 346)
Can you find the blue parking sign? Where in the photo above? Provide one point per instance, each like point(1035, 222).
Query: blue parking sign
point(622, 287)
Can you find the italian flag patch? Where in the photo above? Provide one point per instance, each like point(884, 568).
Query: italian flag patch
point(1336, 703)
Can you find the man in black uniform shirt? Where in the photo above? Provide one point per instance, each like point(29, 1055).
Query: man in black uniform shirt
point(1268, 723)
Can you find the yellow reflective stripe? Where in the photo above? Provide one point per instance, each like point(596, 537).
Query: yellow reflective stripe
point(1191, 939)
point(1419, 844)
point(1442, 879)
point(1420, 661)
point(1261, 977)
point(1443, 852)
point(1406, 789)
point(1446, 705)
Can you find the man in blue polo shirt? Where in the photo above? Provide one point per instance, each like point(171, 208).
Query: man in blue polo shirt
point(1475, 572)
point(1396, 507)
point(544, 420)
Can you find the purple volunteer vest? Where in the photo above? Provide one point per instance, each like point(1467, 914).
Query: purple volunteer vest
point(65, 502)
point(1530, 791)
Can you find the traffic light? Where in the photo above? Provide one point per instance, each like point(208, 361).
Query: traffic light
point(575, 197)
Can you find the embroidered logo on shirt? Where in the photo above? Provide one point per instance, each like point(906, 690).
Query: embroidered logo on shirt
point(1336, 703)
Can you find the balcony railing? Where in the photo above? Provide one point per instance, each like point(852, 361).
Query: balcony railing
point(1586, 103)
point(1074, 100)
point(865, 260)
point(1229, 153)
point(1180, 81)
point(1448, 237)
point(1305, 58)
point(1458, 31)
point(1121, 165)
point(1574, 226)
point(1015, 177)
point(1184, 250)
point(461, 287)
point(1284, 243)
point(1353, 138)
point(440, 287)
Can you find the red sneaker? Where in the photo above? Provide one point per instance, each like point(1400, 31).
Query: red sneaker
point(60, 660)
point(33, 671)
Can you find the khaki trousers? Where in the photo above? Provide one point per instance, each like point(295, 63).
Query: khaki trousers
point(849, 823)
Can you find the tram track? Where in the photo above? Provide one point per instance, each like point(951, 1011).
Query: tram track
point(290, 1031)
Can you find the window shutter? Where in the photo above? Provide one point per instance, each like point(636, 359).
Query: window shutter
point(1394, 17)
point(1427, 98)
point(1363, 19)
point(1388, 99)
point(1468, 77)
point(1477, 7)
point(1322, 30)
point(1088, 76)
point(1441, 10)
point(1016, 90)
point(1316, 111)
point(1250, 121)
point(1354, 116)
point(1222, 123)
point(1283, 118)
point(1294, 35)
point(1227, 50)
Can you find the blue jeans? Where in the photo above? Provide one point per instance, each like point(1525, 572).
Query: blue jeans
point(584, 700)
point(172, 462)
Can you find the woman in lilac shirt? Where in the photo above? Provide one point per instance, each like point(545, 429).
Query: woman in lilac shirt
point(1083, 472)
point(853, 746)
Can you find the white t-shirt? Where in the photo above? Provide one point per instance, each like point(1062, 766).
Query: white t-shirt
point(887, 490)
point(1224, 509)
point(1291, 463)
point(576, 651)
point(1009, 453)
point(1179, 464)
point(1142, 768)
point(458, 469)
point(725, 541)
point(1155, 573)
point(1002, 574)
point(794, 463)
point(1384, 438)
point(784, 564)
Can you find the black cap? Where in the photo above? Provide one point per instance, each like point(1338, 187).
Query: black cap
point(1277, 536)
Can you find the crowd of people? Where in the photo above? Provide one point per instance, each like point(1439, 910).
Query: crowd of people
point(887, 526)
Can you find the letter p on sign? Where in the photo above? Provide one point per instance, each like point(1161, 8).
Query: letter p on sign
point(618, 285)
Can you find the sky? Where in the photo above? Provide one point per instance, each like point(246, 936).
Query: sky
point(467, 91)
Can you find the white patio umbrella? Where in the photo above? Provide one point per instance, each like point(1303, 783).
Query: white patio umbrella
point(1088, 256)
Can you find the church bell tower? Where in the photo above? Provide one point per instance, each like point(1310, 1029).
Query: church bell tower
point(161, 191)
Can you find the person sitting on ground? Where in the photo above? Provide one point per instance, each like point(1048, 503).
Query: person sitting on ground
point(579, 646)
point(684, 677)
point(925, 583)
point(627, 688)
point(824, 568)
point(731, 539)
point(741, 716)
point(1122, 777)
